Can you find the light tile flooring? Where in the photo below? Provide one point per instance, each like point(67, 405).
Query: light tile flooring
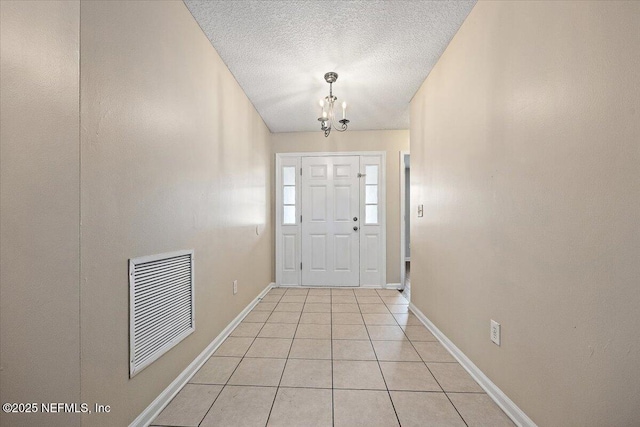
point(322, 357)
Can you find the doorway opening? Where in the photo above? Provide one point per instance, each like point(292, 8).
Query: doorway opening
point(405, 224)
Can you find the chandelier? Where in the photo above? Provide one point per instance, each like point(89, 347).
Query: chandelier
point(327, 116)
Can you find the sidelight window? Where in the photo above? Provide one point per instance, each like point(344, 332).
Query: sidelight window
point(288, 195)
point(371, 194)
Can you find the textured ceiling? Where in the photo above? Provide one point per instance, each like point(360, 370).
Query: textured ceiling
point(279, 51)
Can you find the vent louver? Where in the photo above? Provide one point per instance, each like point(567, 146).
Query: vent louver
point(161, 306)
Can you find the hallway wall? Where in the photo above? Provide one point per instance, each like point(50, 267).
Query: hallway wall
point(391, 141)
point(525, 153)
point(39, 201)
point(123, 135)
point(174, 156)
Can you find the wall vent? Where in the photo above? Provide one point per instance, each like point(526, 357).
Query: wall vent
point(161, 306)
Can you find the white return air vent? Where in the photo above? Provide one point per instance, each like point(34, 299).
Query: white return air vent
point(161, 307)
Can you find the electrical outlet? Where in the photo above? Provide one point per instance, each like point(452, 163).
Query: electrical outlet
point(495, 332)
point(420, 211)
point(235, 287)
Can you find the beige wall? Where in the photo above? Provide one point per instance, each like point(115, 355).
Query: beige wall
point(39, 200)
point(170, 155)
point(525, 153)
point(391, 141)
point(173, 156)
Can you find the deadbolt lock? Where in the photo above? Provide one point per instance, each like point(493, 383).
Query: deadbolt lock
point(355, 218)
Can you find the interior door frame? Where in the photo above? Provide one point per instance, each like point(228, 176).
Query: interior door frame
point(295, 159)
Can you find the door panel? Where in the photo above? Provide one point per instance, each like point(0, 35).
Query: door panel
point(318, 252)
point(342, 252)
point(318, 203)
point(289, 252)
point(341, 171)
point(318, 172)
point(330, 201)
point(372, 243)
point(342, 205)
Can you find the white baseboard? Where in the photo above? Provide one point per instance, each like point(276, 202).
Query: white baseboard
point(508, 406)
point(151, 412)
point(388, 286)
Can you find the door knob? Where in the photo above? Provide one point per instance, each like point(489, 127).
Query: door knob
point(355, 228)
point(355, 218)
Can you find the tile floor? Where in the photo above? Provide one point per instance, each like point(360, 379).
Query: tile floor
point(323, 357)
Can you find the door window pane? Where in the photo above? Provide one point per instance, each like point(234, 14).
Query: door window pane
point(371, 214)
point(289, 195)
point(289, 175)
point(371, 174)
point(289, 215)
point(371, 194)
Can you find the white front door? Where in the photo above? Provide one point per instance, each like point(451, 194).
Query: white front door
point(330, 221)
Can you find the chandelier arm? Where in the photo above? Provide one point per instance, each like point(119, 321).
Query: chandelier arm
point(343, 125)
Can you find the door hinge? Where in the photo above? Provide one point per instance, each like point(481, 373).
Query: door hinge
point(300, 266)
point(300, 218)
point(300, 171)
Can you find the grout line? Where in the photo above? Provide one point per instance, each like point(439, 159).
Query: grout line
point(333, 404)
point(434, 377)
point(425, 364)
point(275, 396)
point(380, 368)
point(343, 388)
point(234, 370)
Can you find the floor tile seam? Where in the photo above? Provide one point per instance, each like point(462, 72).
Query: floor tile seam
point(277, 386)
point(214, 401)
point(233, 372)
point(333, 412)
point(380, 369)
point(437, 382)
point(244, 356)
point(275, 396)
point(423, 361)
point(466, 392)
point(390, 390)
point(456, 408)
